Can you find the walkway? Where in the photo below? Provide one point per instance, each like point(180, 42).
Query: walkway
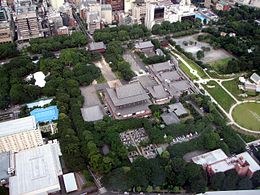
point(201, 81)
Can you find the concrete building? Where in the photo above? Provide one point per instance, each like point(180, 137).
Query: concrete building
point(146, 46)
point(178, 109)
point(159, 94)
point(117, 5)
point(70, 182)
point(56, 4)
point(37, 170)
point(6, 28)
point(95, 14)
point(106, 13)
point(19, 134)
point(128, 101)
point(217, 161)
point(64, 30)
point(222, 6)
point(165, 10)
point(6, 32)
point(28, 26)
point(232, 192)
point(99, 47)
point(252, 3)
point(55, 21)
point(139, 11)
point(6, 167)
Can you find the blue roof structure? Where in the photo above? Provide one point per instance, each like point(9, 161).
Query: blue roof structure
point(45, 114)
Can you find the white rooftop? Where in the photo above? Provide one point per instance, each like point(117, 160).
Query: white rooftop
point(70, 182)
point(39, 79)
point(233, 192)
point(17, 126)
point(210, 157)
point(36, 171)
point(253, 166)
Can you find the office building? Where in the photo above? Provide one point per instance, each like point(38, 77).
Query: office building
point(138, 11)
point(128, 101)
point(217, 161)
point(106, 13)
point(164, 10)
point(37, 170)
point(117, 5)
point(56, 4)
point(95, 14)
point(6, 28)
point(19, 134)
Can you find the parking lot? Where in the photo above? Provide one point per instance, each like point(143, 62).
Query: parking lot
point(210, 56)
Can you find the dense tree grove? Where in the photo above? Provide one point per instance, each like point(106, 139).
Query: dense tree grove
point(186, 27)
point(55, 43)
point(121, 33)
point(244, 45)
point(114, 57)
point(14, 88)
point(8, 50)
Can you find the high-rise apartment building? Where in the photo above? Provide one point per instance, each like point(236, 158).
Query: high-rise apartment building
point(19, 134)
point(117, 5)
point(28, 26)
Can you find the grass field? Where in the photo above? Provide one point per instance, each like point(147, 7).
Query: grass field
point(187, 71)
point(232, 87)
point(220, 95)
point(193, 65)
point(220, 64)
point(248, 115)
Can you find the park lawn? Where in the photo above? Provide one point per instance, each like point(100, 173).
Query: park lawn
point(219, 65)
point(232, 87)
point(187, 71)
point(195, 66)
point(220, 95)
point(248, 115)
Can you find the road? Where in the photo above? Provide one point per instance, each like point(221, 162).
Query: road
point(134, 61)
point(105, 69)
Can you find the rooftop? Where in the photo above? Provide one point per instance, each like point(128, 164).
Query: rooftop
point(210, 157)
point(93, 113)
point(158, 92)
point(5, 165)
point(178, 109)
point(17, 126)
point(253, 166)
point(159, 67)
point(39, 103)
point(70, 182)
point(36, 170)
point(233, 192)
point(170, 118)
point(96, 46)
point(169, 76)
point(45, 114)
point(127, 94)
point(144, 45)
point(255, 77)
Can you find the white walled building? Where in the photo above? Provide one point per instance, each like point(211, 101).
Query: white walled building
point(56, 4)
point(164, 10)
point(138, 11)
point(95, 14)
point(36, 171)
point(19, 134)
point(106, 13)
